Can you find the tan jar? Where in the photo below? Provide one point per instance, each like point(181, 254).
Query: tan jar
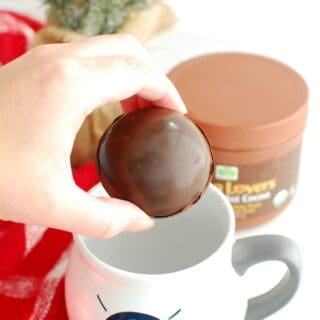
point(253, 110)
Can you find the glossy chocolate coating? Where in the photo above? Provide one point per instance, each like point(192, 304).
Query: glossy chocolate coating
point(156, 158)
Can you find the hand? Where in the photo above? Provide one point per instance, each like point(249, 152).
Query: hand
point(45, 96)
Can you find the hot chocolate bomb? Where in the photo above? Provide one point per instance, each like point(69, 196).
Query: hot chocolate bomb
point(156, 158)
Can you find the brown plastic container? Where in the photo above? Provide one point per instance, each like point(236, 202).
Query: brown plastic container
point(253, 110)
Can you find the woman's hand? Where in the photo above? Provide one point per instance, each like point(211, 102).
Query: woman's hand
point(45, 96)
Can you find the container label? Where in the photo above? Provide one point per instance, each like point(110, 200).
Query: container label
point(226, 173)
point(260, 188)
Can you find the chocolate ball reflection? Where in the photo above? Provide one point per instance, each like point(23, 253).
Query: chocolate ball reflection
point(156, 158)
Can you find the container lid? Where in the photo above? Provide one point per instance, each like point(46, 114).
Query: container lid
point(242, 101)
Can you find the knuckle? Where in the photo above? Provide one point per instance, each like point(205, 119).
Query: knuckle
point(54, 64)
point(61, 69)
point(129, 39)
point(105, 232)
point(43, 51)
point(132, 62)
point(137, 64)
point(55, 212)
point(133, 66)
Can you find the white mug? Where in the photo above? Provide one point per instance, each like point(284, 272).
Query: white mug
point(187, 267)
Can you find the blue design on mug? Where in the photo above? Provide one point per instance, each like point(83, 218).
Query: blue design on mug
point(132, 315)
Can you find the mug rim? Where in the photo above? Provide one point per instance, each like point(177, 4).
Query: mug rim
point(102, 266)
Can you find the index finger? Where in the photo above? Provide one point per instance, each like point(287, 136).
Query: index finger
point(138, 102)
point(116, 68)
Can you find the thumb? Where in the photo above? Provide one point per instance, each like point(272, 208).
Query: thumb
point(99, 217)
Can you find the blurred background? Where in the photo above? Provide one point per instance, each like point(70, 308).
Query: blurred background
point(287, 30)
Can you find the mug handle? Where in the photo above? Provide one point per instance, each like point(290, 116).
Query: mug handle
point(252, 250)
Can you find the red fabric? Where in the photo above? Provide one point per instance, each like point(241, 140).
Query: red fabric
point(31, 278)
point(34, 24)
point(32, 259)
point(16, 34)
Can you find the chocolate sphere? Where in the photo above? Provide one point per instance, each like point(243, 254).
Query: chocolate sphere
point(156, 158)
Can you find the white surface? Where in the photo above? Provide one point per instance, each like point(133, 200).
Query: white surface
point(287, 30)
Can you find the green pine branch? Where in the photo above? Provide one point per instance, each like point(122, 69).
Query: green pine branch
point(92, 17)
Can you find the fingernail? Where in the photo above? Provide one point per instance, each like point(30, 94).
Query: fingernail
point(140, 224)
point(181, 105)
